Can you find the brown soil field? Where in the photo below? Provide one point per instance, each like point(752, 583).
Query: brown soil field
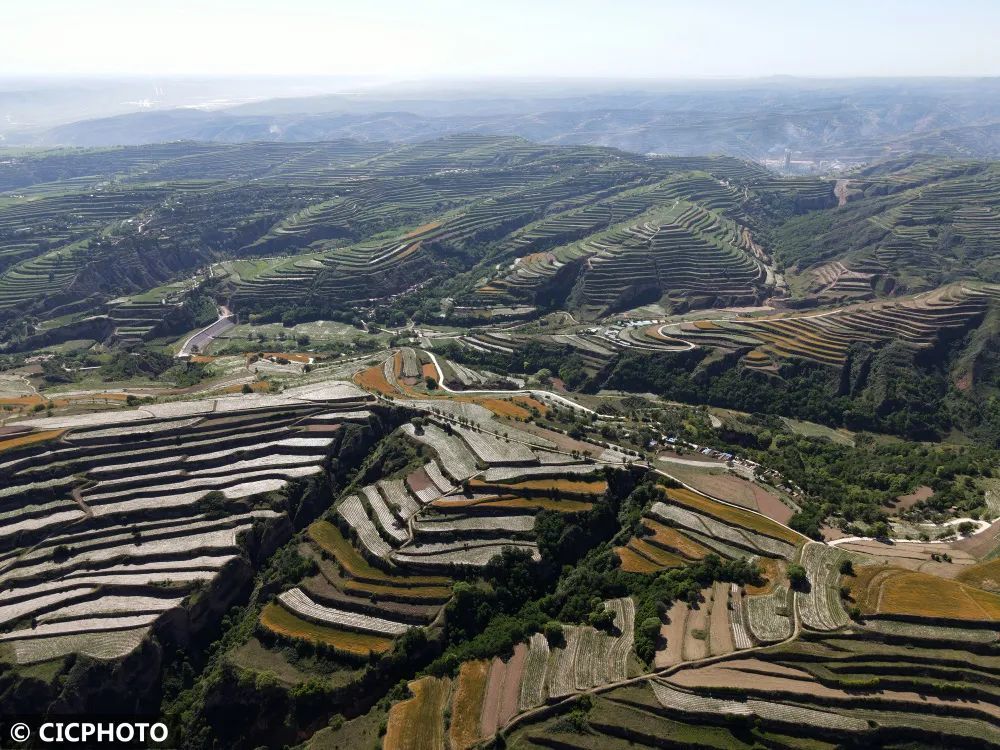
point(915, 556)
point(562, 442)
point(512, 684)
point(673, 634)
point(429, 371)
point(751, 674)
point(373, 379)
point(418, 480)
point(831, 533)
point(771, 506)
point(720, 634)
point(904, 502)
point(880, 589)
point(697, 623)
point(418, 723)
point(733, 489)
point(492, 696)
point(980, 545)
point(467, 704)
point(734, 515)
point(763, 679)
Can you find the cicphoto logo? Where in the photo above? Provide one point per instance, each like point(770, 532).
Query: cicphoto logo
point(90, 733)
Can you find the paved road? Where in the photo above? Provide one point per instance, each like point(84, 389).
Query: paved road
point(201, 340)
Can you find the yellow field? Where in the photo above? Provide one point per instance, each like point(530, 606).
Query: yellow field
point(531, 403)
point(25, 402)
point(422, 229)
point(880, 589)
point(467, 704)
point(418, 723)
point(33, 400)
point(279, 620)
point(260, 386)
point(985, 576)
point(328, 538)
point(660, 558)
point(773, 572)
point(733, 515)
point(633, 562)
point(671, 537)
point(591, 487)
point(503, 407)
point(29, 439)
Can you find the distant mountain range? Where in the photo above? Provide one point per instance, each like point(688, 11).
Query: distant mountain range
point(813, 121)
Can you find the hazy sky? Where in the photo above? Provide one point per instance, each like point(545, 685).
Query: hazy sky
point(426, 38)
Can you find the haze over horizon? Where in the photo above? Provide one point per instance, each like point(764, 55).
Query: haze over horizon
point(396, 40)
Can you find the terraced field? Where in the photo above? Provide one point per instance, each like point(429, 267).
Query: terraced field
point(388, 554)
point(929, 199)
point(122, 518)
point(821, 692)
point(826, 337)
point(489, 695)
point(331, 224)
point(483, 294)
point(894, 592)
point(675, 248)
